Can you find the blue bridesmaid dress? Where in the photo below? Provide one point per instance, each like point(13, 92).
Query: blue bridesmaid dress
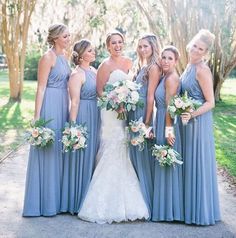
point(79, 165)
point(200, 179)
point(168, 184)
point(143, 161)
point(45, 165)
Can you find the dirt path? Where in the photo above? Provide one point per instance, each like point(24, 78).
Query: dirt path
point(12, 224)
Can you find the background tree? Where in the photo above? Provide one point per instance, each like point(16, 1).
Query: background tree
point(179, 20)
point(15, 20)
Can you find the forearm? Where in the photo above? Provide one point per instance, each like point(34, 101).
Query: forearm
point(207, 106)
point(149, 110)
point(74, 111)
point(38, 102)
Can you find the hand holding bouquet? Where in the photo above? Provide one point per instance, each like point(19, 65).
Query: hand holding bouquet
point(138, 133)
point(74, 137)
point(166, 155)
point(121, 96)
point(39, 135)
point(182, 104)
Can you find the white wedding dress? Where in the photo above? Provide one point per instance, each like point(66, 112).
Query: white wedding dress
point(114, 194)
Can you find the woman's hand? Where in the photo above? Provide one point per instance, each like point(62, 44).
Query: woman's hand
point(185, 117)
point(171, 140)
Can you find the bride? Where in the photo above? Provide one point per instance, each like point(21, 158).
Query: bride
point(114, 193)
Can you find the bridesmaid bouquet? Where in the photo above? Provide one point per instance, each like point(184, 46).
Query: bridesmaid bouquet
point(121, 96)
point(166, 155)
point(180, 104)
point(39, 135)
point(74, 137)
point(138, 133)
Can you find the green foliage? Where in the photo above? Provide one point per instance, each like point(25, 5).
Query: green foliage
point(31, 64)
point(101, 54)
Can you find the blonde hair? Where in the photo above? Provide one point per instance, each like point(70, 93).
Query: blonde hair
point(155, 57)
point(54, 31)
point(205, 36)
point(110, 34)
point(78, 50)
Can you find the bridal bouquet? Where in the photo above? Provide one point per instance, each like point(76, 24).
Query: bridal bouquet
point(74, 137)
point(138, 133)
point(39, 135)
point(121, 96)
point(180, 104)
point(166, 155)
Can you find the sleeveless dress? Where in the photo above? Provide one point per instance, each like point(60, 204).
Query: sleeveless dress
point(114, 193)
point(168, 184)
point(79, 165)
point(143, 161)
point(45, 166)
point(200, 180)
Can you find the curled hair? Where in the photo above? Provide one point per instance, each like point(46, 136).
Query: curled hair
point(78, 50)
point(54, 31)
point(110, 34)
point(155, 57)
point(205, 36)
point(173, 49)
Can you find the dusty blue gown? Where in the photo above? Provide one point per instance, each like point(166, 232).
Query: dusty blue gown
point(45, 166)
point(79, 165)
point(168, 183)
point(143, 161)
point(200, 179)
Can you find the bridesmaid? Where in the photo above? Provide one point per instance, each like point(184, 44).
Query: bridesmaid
point(200, 189)
point(168, 186)
point(148, 75)
point(79, 165)
point(45, 166)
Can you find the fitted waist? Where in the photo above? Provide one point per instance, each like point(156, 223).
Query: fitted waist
point(88, 99)
point(59, 88)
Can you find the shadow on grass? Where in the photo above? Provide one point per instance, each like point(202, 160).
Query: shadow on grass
point(11, 116)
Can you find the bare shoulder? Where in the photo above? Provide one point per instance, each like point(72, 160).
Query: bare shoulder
point(128, 61)
point(49, 58)
point(77, 75)
point(203, 72)
point(155, 69)
point(173, 78)
point(105, 66)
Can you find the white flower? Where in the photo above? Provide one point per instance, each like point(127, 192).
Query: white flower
point(134, 96)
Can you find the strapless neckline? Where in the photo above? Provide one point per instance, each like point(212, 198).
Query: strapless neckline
point(119, 70)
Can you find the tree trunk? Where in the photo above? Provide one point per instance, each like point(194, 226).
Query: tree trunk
point(15, 24)
point(218, 82)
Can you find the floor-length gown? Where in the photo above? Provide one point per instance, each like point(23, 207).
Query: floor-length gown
point(79, 165)
point(201, 192)
point(168, 181)
point(143, 161)
point(45, 165)
point(114, 193)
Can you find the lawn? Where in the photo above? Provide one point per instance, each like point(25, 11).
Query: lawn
point(225, 127)
point(15, 117)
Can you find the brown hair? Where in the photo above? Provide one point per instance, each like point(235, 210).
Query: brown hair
point(110, 34)
point(54, 31)
point(173, 49)
point(78, 50)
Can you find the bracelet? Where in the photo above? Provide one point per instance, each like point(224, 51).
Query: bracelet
point(169, 131)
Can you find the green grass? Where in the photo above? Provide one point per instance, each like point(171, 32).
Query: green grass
point(225, 127)
point(14, 117)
